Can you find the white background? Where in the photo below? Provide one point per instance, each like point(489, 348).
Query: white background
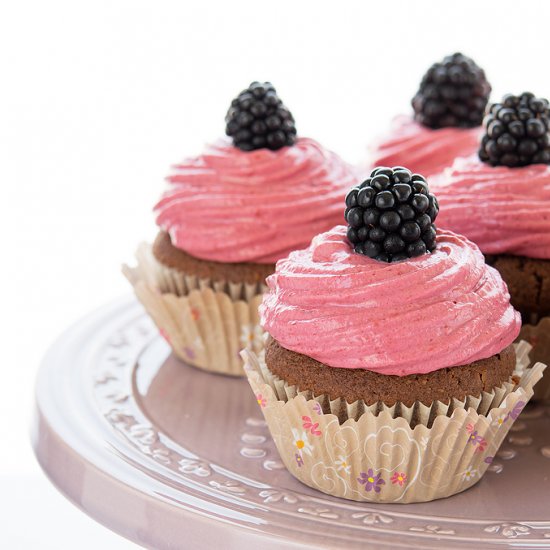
point(98, 98)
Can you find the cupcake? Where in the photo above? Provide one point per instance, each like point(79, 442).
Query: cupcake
point(389, 373)
point(448, 111)
point(224, 219)
point(500, 199)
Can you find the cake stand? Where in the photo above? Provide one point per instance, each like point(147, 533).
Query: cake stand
point(173, 457)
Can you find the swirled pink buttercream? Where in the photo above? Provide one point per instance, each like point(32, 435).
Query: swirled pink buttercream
point(229, 205)
point(439, 310)
point(423, 150)
point(503, 210)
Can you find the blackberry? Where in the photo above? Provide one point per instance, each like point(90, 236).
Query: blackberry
point(453, 92)
point(517, 132)
point(390, 215)
point(258, 119)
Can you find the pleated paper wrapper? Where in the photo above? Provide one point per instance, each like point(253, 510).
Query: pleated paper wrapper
point(389, 454)
point(207, 323)
point(538, 335)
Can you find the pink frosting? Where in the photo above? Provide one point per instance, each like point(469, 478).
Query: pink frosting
point(503, 210)
point(440, 310)
point(422, 149)
point(233, 206)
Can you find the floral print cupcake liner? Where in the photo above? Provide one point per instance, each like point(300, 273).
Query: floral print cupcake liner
point(207, 324)
point(388, 454)
point(538, 335)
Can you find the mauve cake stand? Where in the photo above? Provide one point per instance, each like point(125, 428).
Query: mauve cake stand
point(172, 457)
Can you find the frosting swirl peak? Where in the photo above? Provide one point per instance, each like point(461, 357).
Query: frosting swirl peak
point(229, 205)
point(439, 310)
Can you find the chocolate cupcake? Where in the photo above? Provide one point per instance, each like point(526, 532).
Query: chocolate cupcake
point(389, 374)
point(448, 111)
point(500, 199)
point(224, 219)
point(371, 387)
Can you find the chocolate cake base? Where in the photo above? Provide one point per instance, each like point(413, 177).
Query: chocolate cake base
point(528, 280)
point(353, 384)
point(167, 254)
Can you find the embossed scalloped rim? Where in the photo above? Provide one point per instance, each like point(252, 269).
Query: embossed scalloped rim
point(111, 376)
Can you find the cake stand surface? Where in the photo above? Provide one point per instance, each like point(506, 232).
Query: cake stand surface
point(173, 457)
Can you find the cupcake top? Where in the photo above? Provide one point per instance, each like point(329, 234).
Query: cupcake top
point(394, 299)
point(259, 195)
point(228, 205)
point(503, 210)
point(501, 199)
point(345, 310)
point(448, 110)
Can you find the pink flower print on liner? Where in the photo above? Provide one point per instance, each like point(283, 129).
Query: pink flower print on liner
point(195, 314)
point(399, 478)
point(371, 481)
point(309, 425)
point(262, 401)
point(488, 459)
point(189, 352)
point(479, 442)
point(482, 445)
point(164, 334)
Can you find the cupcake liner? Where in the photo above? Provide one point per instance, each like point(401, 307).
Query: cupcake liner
point(168, 279)
point(538, 335)
point(207, 323)
point(388, 454)
point(417, 413)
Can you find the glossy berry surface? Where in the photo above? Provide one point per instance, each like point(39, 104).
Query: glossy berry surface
point(257, 119)
point(453, 92)
point(517, 132)
point(391, 215)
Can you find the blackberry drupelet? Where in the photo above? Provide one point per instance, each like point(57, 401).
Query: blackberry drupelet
point(258, 119)
point(453, 92)
point(517, 132)
point(391, 215)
